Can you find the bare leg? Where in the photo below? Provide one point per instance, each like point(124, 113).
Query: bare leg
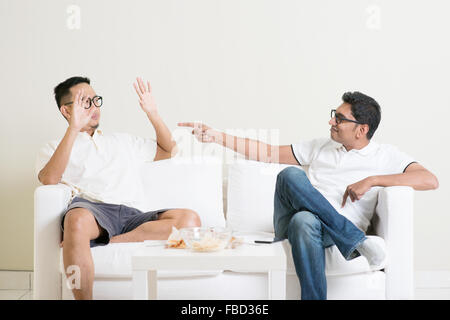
point(161, 228)
point(80, 227)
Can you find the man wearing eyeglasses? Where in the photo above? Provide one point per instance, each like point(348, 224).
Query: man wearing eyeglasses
point(102, 170)
point(315, 213)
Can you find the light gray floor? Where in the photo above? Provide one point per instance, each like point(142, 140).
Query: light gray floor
point(420, 294)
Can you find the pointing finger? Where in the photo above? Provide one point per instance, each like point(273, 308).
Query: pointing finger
point(186, 124)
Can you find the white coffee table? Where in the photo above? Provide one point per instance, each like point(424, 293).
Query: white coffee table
point(268, 258)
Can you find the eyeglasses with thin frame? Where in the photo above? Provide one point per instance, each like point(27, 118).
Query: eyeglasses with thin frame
point(339, 118)
point(97, 101)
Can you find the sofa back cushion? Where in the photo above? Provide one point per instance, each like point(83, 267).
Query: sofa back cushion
point(251, 189)
point(191, 183)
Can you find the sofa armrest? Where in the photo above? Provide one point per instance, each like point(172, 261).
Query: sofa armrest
point(394, 223)
point(49, 202)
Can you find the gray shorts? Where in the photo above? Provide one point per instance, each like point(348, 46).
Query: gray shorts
point(113, 218)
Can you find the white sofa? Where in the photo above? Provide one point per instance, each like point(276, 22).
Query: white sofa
point(239, 195)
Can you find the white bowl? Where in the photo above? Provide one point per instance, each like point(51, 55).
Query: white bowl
point(206, 239)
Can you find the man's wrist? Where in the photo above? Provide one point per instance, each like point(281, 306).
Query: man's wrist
point(373, 180)
point(219, 137)
point(72, 129)
point(153, 115)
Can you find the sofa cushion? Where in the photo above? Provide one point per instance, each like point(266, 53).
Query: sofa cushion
point(192, 183)
point(362, 286)
point(335, 263)
point(114, 261)
point(251, 188)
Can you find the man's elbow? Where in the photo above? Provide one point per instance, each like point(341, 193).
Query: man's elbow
point(174, 150)
point(434, 182)
point(431, 181)
point(47, 180)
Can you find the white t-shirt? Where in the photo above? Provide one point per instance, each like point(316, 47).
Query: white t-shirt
point(104, 167)
point(332, 168)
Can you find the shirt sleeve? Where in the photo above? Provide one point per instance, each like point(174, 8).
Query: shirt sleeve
point(145, 148)
point(305, 152)
point(43, 156)
point(397, 161)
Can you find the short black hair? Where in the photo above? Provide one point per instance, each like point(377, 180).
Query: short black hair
point(62, 89)
point(365, 110)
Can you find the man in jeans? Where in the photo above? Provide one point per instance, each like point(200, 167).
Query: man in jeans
point(315, 213)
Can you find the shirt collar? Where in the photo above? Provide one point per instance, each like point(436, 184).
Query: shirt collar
point(97, 133)
point(364, 151)
point(95, 136)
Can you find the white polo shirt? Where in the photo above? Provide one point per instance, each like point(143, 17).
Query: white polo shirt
point(104, 167)
point(332, 168)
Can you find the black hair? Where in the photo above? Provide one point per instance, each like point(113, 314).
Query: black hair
point(62, 89)
point(365, 110)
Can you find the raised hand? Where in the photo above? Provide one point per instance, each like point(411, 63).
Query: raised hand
point(202, 132)
point(79, 117)
point(145, 96)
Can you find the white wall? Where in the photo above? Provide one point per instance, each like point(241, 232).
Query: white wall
point(278, 64)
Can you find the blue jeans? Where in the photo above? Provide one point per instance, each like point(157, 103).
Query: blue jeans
point(310, 223)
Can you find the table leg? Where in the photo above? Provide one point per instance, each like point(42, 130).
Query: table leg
point(152, 285)
point(144, 285)
point(277, 284)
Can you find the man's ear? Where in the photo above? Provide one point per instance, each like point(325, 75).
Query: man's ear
point(65, 111)
point(364, 129)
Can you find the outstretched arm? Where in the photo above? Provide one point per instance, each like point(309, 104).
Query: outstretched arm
point(251, 149)
point(166, 145)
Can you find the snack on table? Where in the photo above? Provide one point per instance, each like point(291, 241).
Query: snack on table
point(175, 240)
point(205, 239)
point(235, 242)
point(207, 243)
point(176, 244)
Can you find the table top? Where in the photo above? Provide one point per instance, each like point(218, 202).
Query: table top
point(247, 257)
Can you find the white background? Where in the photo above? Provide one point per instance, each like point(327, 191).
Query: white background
point(248, 64)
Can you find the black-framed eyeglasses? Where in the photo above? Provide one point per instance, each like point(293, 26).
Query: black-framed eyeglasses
point(97, 101)
point(339, 117)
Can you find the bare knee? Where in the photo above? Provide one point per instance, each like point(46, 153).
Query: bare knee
point(80, 221)
point(188, 218)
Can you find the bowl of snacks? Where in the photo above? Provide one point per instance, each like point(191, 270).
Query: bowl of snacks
point(206, 239)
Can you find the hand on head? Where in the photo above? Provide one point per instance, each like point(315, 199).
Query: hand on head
point(80, 116)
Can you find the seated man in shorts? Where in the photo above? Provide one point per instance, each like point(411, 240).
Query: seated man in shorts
point(102, 171)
